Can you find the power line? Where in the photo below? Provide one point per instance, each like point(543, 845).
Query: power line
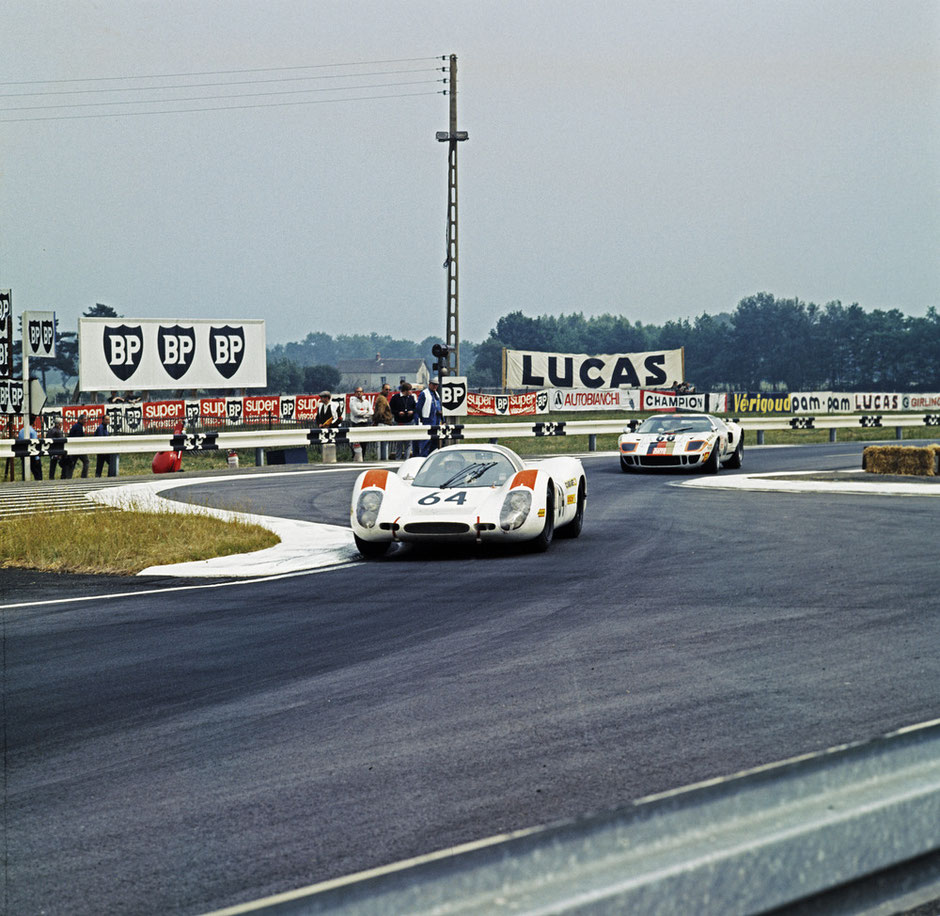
point(203, 98)
point(129, 114)
point(282, 79)
point(155, 76)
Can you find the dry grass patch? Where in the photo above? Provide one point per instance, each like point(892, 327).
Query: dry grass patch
point(105, 541)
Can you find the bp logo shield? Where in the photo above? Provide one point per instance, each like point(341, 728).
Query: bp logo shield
point(48, 336)
point(134, 417)
point(227, 347)
point(176, 346)
point(35, 335)
point(541, 402)
point(123, 349)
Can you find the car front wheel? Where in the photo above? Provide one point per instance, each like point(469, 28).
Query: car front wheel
point(573, 528)
point(737, 459)
point(542, 541)
point(713, 463)
point(371, 549)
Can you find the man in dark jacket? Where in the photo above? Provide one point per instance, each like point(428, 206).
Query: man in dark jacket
point(104, 459)
point(404, 408)
point(76, 431)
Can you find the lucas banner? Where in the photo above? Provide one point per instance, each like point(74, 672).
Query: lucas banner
point(653, 369)
point(149, 354)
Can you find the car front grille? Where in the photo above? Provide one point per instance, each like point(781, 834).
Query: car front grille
point(660, 461)
point(437, 528)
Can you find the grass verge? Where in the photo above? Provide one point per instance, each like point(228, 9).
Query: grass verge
point(122, 542)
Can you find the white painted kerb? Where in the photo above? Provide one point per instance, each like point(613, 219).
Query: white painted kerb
point(771, 482)
point(303, 545)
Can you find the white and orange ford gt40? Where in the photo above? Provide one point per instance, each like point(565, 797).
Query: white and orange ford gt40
point(690, 441)
point(468, 493)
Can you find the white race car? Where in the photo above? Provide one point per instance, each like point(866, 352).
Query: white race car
point(468, 493)
point(682, 441)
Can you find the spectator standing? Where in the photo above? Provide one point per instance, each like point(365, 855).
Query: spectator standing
point(327, 415)
point(430, 412)
point(104, 458)
point(76, 431)
point(360, 414)
point(403, 412)
point(35, 462)
point(382, 416)
point(54, 460)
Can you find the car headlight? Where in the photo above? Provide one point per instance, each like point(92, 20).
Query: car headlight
point(516, 508)
point(367, 508)
point(628, 446)
point(695, 445)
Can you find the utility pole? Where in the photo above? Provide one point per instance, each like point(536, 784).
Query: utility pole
point(452, 137)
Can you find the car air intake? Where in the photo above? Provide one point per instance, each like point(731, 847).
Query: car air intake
point(436, 528)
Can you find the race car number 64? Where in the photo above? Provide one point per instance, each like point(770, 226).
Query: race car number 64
point(459, 497)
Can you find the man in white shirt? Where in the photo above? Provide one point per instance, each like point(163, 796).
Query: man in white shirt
point(360, 414)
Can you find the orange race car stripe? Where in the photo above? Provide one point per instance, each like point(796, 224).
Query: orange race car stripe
point(375, 478)
point(524, 479)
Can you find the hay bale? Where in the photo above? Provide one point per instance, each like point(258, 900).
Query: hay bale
point(907, 460)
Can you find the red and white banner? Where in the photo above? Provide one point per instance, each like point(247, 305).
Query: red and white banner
point(512, 405)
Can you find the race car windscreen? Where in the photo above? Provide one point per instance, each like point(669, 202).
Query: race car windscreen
point(464, 468)
point(669, 425)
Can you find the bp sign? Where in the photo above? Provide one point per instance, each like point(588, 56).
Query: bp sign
point(454, 395)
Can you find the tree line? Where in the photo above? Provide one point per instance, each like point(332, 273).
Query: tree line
point(765, 343)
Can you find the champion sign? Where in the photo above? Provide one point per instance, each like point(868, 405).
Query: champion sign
point(146, 355)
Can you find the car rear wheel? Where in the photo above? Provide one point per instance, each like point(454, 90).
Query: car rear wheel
point(543, 540)
point(371, 549)
point(573, 528)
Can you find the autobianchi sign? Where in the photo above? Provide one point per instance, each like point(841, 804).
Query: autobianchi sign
point(149, 354)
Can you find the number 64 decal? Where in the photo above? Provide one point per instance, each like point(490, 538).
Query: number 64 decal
point(459, 497)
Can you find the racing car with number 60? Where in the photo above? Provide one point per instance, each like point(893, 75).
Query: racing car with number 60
point(468, 493)
point(690, 441)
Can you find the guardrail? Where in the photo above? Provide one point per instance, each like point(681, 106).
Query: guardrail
point(452, 432)
point(838, 831)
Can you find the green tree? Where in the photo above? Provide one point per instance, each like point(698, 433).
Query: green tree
point(284, 376)
point(320, 378)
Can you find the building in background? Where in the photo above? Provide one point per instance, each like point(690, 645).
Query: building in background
point(372, 374)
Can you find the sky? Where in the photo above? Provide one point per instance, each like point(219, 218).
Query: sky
point(648, 159)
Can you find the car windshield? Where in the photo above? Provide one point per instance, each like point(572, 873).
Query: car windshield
point(672, 424)
point(464, 468)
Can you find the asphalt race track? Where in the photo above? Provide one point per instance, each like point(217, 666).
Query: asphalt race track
point(193, 745)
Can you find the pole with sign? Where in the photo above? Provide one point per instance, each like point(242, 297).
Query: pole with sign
point(454, 395)
point(38, 340)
